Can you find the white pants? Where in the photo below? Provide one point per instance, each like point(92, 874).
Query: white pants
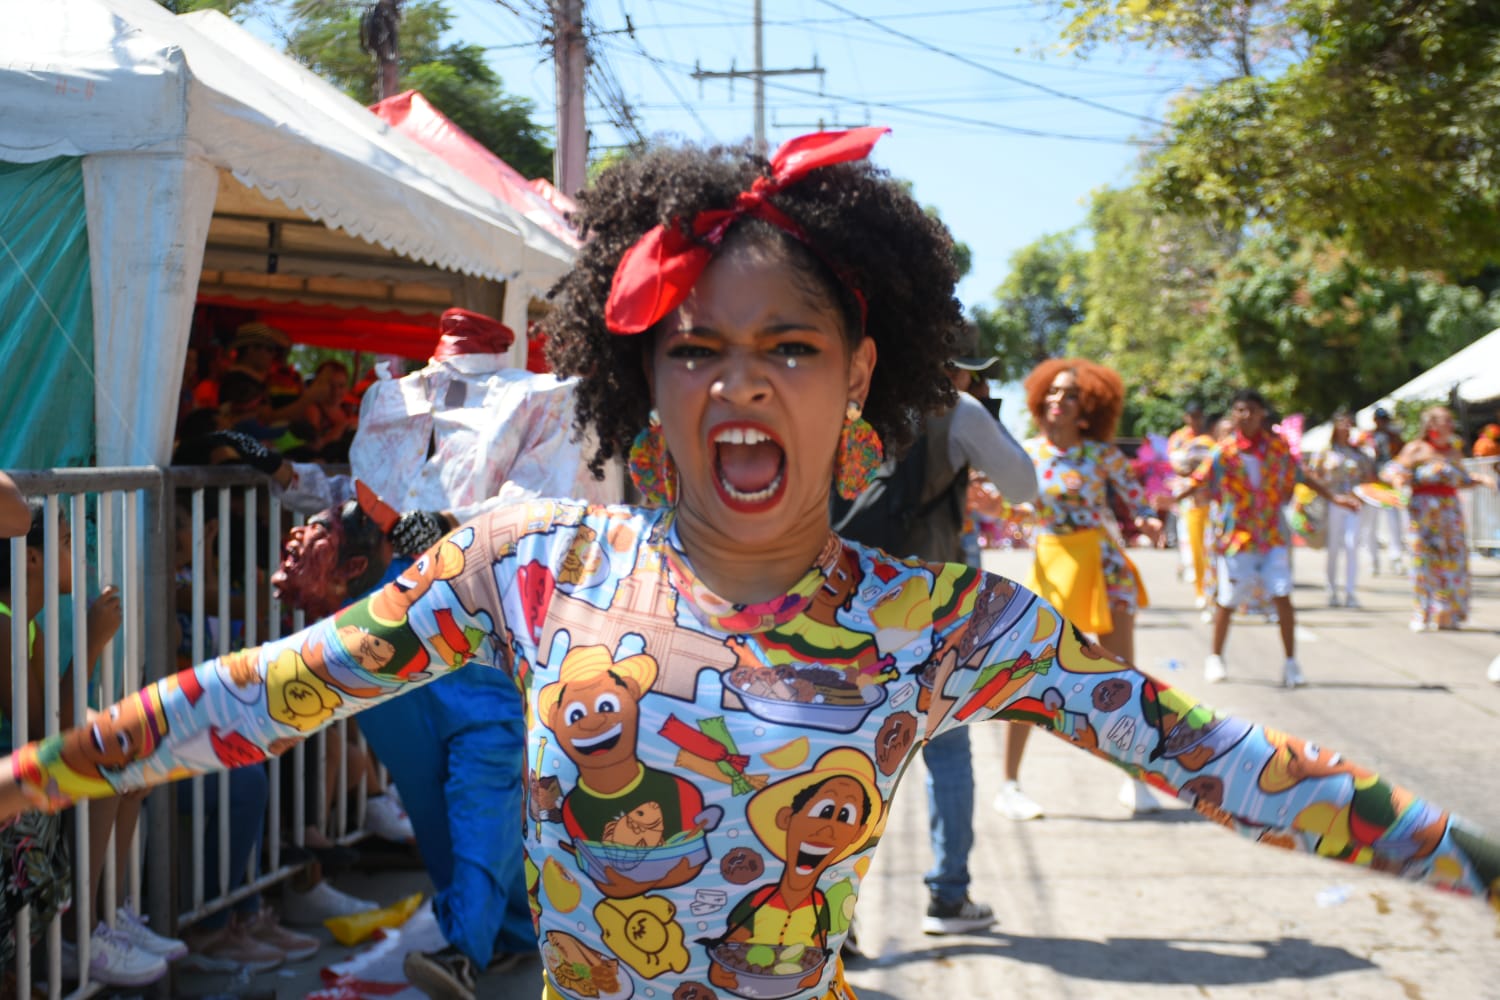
point(1390, 522)
point(1343, 544)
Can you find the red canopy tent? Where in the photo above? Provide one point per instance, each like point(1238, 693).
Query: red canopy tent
point(419, 120)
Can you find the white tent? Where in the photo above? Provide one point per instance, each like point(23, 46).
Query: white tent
point(1473, 374)
point(196, 138)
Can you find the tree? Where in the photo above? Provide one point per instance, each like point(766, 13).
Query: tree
point(1149, 283)
point(454, 77)
point(1037, 306)
point(1317, 328)
point(1375, 122)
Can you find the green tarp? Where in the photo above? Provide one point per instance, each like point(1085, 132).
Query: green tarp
point(46, 317)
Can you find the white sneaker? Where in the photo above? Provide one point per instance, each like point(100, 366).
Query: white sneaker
point(132, 927)
point(1138, 798)
point(113, 961)
point(1352, 602)
point(1418, 625)
point(311, 908)
point(386, 819)
point(1214, 671)
point(1493, 674)
point(1012, 803)
point(1291, 673)
point(1208, 615)
point(1200, 602)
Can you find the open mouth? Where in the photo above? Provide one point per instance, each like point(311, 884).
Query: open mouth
point(810, 856)
point(603, 743)
point(749, 466)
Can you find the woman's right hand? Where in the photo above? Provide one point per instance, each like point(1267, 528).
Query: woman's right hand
point(105, 615)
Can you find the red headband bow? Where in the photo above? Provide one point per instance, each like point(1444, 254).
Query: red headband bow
point(660, 269)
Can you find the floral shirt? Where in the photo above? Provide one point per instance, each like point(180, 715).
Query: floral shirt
point(1250, 481)
point(1072, 485)
point(1343, 467)
point(707, 781)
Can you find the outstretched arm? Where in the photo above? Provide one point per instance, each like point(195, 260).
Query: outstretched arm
point(249, 705)
point(1018, 660)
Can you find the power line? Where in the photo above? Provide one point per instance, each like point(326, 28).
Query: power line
point(965, 60)
point(661, 72)
point(927, 115)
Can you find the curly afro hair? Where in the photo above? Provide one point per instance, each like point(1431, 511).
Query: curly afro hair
point(864, 226)
point(1101, 394)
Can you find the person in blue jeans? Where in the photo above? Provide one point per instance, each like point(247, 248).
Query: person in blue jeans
point(456, 750)
point(934, 529)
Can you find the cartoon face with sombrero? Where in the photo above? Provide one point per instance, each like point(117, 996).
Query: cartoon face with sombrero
point(594, 710)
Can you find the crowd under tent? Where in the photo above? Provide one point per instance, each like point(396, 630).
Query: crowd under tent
point(150, 161)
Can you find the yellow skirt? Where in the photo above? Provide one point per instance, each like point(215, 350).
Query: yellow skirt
point(1068, 573)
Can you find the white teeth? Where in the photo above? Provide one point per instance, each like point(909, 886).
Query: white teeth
point(741, 435)
point(755, 497)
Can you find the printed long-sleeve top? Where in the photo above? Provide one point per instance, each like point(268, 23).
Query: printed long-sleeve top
point(1073, 484)
point(1250, 480)
point(706, 781)
point(1343, 467)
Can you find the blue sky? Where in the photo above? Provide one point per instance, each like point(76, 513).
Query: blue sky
point(993, 124)
point(966, 92)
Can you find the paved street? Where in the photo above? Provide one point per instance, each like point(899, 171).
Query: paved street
point(1095, 904)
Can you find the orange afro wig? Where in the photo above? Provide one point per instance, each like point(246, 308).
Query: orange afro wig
point(1101, 394)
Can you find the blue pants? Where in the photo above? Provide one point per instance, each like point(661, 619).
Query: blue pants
point(457, 751)
point(950, 814)
point(249, 797)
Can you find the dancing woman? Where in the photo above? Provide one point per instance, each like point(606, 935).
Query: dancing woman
point(1432, 468)
point(721, 694)
point(1080, 565)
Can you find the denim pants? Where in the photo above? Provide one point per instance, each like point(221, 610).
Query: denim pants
point(249, 797)
point(456, 749)
point(950, 814)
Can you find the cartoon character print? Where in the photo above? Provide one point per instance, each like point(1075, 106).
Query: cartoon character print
point(1380, 820)
point(122, 734)
point(376, 647)
point(619, 803)
point(296, 696)
point(582, 560)
point(778, 932)
point(818, 635)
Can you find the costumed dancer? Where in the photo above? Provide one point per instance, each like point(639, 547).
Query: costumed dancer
point(1080, 565)
point(708, 800)
point(1431, 469)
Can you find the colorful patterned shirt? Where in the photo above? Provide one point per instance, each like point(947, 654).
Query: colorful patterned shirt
point(1072, 485)
point(1251, 482)
point(752, 775)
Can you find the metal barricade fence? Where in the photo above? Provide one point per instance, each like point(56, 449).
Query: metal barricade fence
point(1482, 509)
point(127, 517)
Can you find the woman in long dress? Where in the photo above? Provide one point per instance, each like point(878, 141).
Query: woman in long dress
point(1431, 469)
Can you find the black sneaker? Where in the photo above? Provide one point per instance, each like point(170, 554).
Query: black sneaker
point(443, 975)
point(957, 917)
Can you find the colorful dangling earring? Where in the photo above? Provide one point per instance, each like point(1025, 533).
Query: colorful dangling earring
point(651, 468)
point(860, 453)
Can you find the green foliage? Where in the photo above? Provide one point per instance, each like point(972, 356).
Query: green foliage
point(1038, 305)
point(1149, 291)
point(232, 8)
point(455, 78)
point(1317, 328)
point(1378, 124)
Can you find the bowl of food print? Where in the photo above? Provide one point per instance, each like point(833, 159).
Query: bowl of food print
point(814, 696)
point(768, 971)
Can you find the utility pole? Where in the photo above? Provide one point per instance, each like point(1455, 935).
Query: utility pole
point(758, 74)
point(569, 59)
point(380, 34)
